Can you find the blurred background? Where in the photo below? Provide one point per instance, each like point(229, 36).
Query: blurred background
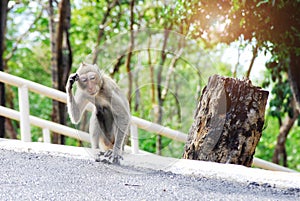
point(161, 53)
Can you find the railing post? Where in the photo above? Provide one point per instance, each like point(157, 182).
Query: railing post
point(46, 135)
point(134, 138)
point(24, 114)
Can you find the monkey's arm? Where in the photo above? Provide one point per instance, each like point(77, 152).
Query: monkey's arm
point(76, 105)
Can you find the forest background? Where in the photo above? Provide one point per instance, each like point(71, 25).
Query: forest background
point(161, 53)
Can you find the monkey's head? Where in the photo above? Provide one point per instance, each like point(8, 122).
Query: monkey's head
point(89, 79)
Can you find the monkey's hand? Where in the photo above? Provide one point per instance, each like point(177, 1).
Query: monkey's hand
point(72, 78)
point(109, 157)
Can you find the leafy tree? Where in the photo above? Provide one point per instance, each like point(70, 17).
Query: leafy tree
point(167, 71)
point(273, 25)
point(3, 16)
point(61, 57)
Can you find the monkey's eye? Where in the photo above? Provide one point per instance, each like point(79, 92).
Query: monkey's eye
point(92, 77)
point(83, 79)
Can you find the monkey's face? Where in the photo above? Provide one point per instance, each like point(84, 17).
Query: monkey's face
point(90, 83)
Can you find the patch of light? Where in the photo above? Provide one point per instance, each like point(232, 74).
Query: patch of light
point(231, 56)
point(11, 4)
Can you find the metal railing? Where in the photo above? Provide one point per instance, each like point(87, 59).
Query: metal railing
point(26, 119)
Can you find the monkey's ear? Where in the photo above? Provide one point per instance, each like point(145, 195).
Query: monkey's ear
point(95, 65)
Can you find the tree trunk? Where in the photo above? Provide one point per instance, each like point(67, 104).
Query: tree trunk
point(159, 108)
point(130, 49)
point(280, 154)
point(52, 28)
point(60, 63)
point(101, 29)
point(10, 129)
point(137, 92)
point(234, 72)
point(117, 66)
point(3, 17)
point(151, 72)
point(254, 55)
point(294, 74)
point(177, 103)
point(228, 122)
point(61, 60)
point(64, 56)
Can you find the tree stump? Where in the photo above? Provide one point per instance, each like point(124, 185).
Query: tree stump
point(228, 122)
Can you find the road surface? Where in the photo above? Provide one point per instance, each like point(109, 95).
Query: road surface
point(40, 176)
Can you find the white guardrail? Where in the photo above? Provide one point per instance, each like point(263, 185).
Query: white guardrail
point(26, 119)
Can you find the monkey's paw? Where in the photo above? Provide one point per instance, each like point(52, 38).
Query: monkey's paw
point(109, 157)
point(99, 156)
point(72, 78)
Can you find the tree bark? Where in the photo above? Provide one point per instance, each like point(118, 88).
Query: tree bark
point(52, 28)
point(177, 103)
point(294, 74)
point(228, 122)
point(64, 56)
point(137, 93)
point(159, 108)
point(3, 17)
point(234, 72)
point(61, 60)
point(10, 129)
point(280, 154)
point(254, 55)
point(101, 29)
point(170, 72)
point(130, 49)
point(151, 72)
point(117, 65)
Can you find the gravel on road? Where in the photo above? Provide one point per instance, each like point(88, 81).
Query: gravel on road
point(39, 176)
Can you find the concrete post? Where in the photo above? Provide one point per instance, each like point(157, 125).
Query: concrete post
point(134, 138)
point(24, 114)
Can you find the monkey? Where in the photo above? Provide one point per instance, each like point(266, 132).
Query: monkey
point(110, 119)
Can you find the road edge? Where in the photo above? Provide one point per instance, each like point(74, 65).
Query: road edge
point(147, 160)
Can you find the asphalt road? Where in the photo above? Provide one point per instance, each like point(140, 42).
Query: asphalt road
point(32, 176)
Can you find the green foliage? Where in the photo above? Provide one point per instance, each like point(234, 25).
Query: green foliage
point(292, 143)
point(273, 25)
point(267, 143)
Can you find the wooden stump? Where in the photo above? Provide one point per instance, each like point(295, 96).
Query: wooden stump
point(228, 122)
